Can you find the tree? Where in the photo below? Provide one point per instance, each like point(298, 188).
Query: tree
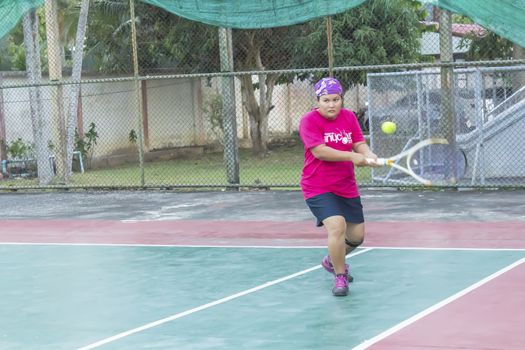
point(377, 32)
point(108, 49)
point(165, 41)
point(15, 55)
point(492, 47)
point(12, 51)
point(25, 50)
point(268, 49)
point(483, 46)
point(76, 74)
point(487, 47)
point(40, 125)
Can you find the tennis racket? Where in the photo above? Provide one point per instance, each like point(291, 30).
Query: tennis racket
point(427, 161)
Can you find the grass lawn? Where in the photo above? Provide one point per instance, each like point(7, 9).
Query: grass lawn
point(281, 167)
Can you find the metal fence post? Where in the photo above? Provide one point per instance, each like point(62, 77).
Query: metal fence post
point(447, 89)
point(138, 90)
point(231, 152)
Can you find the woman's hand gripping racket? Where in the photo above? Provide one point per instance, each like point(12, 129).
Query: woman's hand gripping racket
point(409, 154)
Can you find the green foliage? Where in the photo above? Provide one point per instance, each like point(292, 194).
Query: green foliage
point(461, 19)
point(13, 54)
point(108, 47)
point(164, 40)
point(19, 149)
point(132, 137)
point(17, 54)
point(5, 59)
point(169, 41)
point(213, 110)
point(274, 46)
point(86, 144)
point(488, 47)
point(376, 33)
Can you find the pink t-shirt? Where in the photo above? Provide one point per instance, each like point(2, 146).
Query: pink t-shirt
point(320, 176)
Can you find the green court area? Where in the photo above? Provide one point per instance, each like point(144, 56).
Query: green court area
point(84, 296)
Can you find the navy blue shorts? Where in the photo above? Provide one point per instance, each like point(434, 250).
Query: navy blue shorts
point(329, 204)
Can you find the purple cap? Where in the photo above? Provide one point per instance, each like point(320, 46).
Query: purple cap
point(328, 86)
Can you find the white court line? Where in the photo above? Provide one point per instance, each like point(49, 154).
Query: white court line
point(248, 246)
point(206, 306)
point(445, 248)
point(435, 307)
point(164, 245)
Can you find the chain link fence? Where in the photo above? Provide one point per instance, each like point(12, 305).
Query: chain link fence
point(488, 115)
point(212, 107)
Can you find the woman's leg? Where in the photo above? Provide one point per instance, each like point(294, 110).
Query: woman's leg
point(336, 228)
point(354, 236)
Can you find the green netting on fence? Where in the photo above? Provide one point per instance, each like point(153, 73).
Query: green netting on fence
point(504, 17)
point(254, 14)
point(12, 10)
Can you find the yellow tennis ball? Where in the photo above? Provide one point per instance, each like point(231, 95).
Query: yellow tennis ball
point(388, 127)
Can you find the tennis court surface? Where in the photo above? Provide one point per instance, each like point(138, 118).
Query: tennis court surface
point(241, 270)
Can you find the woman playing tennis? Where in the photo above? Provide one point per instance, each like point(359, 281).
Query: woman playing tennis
point(333, 144)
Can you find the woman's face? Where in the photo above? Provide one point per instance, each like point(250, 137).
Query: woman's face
point(329, 106)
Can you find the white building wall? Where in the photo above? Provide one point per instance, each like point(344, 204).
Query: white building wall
point(174, 111)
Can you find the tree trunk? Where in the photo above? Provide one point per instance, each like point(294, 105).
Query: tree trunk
point(255, 133)
point(258, 111)
point(263, 118)
point(56, 100)
point(76, 75)
point(448, 117)
point(34, 74)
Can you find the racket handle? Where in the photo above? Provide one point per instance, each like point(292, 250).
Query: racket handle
point(378, 161)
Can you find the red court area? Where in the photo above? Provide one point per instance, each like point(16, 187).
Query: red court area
point(489, 317)
point(498, 235)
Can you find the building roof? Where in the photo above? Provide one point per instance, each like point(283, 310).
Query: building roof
point(461, 30)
